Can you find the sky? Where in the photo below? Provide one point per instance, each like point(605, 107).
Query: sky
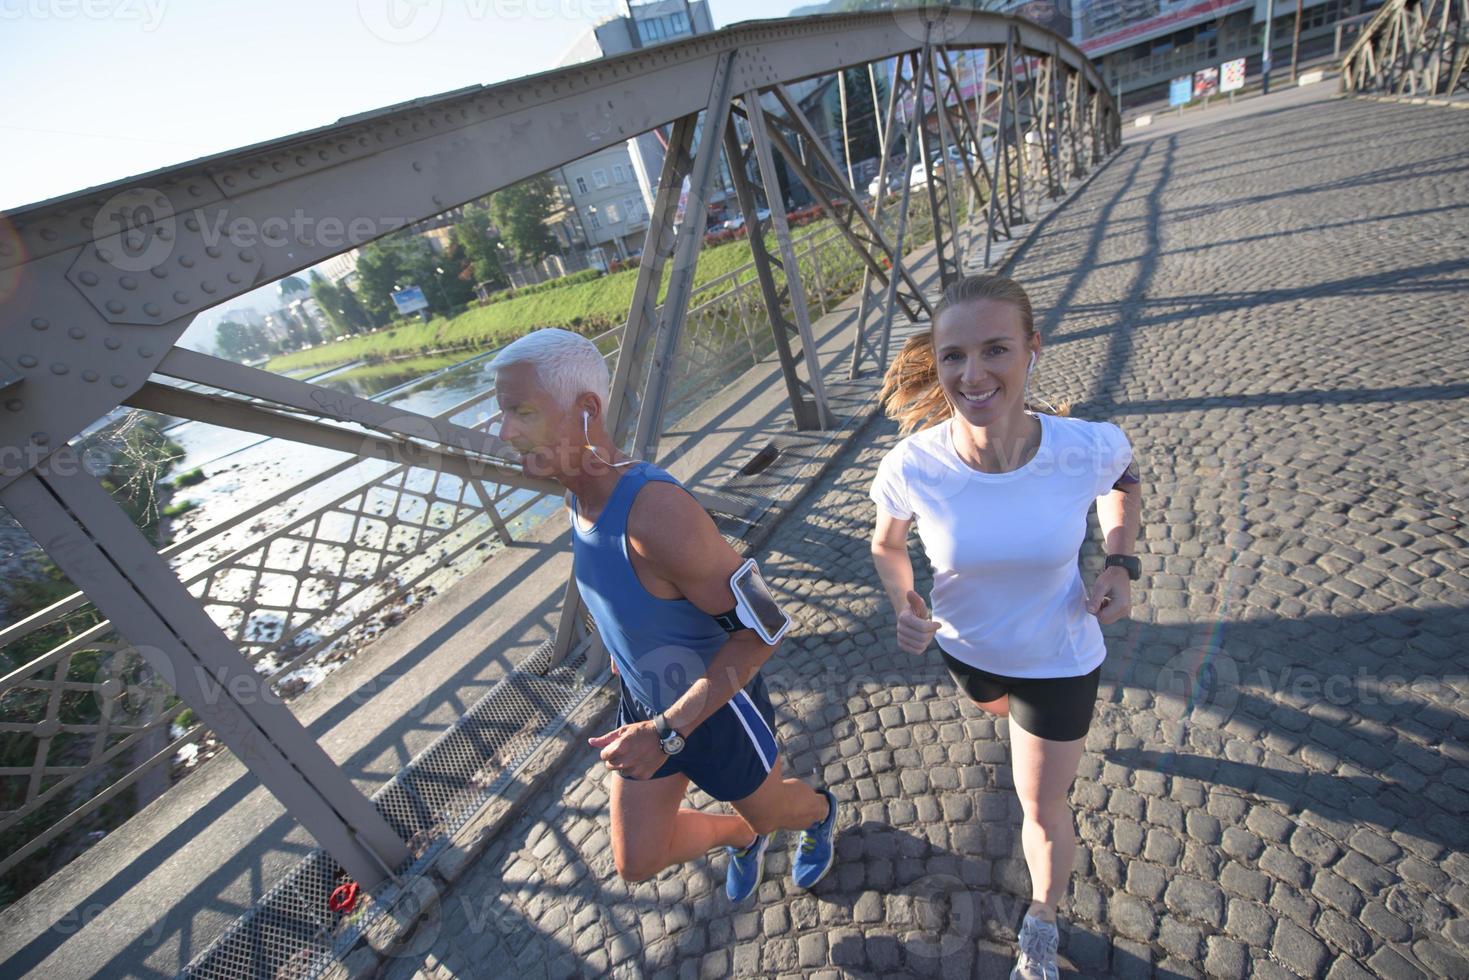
point(97, 90)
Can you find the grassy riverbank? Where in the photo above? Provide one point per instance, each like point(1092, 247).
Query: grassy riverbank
point(587, 307)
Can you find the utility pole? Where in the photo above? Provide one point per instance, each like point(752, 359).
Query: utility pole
point(1265, 57)
point(1295, 44)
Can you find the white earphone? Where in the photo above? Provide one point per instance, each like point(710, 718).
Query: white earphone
point(587, 435)
point(1032, 363)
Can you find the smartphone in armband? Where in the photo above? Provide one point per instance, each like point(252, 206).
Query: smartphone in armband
point(755, 606)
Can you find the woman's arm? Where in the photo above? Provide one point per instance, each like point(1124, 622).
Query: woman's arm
point(895, 570)
point(1120, 515)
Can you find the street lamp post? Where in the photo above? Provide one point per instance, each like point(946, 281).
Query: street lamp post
point(1265, 55)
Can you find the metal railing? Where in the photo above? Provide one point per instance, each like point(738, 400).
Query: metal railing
point(298, 593)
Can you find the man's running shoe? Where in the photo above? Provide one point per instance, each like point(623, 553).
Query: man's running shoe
point(815, 850)
point(745, 867)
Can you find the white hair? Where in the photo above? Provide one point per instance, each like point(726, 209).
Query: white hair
point(567, 365)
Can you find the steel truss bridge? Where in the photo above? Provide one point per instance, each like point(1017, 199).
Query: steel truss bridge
point(104, 282)
point(1411, 48)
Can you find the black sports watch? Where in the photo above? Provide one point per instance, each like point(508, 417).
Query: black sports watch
point(1132, 563)
point(671, 740)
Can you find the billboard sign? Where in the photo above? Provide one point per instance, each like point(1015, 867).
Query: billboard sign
point(1206, 82)
point(410, 300)
point(1232, 75)
point(1180, 90)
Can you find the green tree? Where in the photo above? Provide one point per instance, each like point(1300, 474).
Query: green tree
point(290, 286)
point(387, 264)
point(520, 212)
point(472, 234)
point(240, 341)
point(457, 280)
point(340, 304)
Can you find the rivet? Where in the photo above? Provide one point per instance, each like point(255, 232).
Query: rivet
point(247, 255)
point(59, 368)
point(186, 261)
point(115, 308)
point(417, 165)
point(208, 287)
point(160, 201)
point(76, 333)
point(233, 277)
point(88, 278)
point(321, 154)
point(254, 173)
point(112, 343)
point(118, 381)
point(277, 167)
point(181, 297)
point(128, 282)
point(159, 272)
point(227, 181)
point(40, 438)
point(191, 224)
point(212, 251)
point(27, 360)
point(163, 233)
point(195, 190)
point(89, 376)
point(40, 323)
point(49, 234)
point(105, 254)
point(145, 352)
point(15, 404)
point(87, 223)
point(300, 160)
point(438, 200)
point(151, 309)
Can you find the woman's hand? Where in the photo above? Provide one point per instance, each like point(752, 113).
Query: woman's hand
point(1110, 598)
point(915, 629)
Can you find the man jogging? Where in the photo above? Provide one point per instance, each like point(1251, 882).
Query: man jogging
point(688, 625)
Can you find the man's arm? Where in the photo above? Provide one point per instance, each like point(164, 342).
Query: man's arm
point(673, 542)
point(678, 542)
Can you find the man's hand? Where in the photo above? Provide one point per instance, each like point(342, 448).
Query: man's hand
point(633, 750)
point(1110, 598)
point(915, 629)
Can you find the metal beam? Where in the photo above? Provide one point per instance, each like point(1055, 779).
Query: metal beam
point(915, 305)
point(66, 510)
point(630, 374)
point(215, 372)
point(685, 258)
point(862, 344)
point(246, 416)
point(807, 397)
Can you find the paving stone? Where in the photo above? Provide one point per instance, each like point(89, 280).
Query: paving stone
point(1298, 949)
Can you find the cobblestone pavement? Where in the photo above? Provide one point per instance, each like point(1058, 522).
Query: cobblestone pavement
point(1274, 308)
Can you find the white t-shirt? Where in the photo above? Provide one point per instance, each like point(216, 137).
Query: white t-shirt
point(1007, 589)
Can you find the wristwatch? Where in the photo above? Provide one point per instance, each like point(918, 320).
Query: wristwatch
point(1133, 565)
point(671, 740)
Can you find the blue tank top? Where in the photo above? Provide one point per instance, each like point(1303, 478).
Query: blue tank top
point(660, 646)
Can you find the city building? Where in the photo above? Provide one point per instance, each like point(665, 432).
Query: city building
point(612, 189)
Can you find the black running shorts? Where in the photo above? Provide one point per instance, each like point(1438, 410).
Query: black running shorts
point(1058, 709)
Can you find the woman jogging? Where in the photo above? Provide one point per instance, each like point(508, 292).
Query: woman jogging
point(1000, 493)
